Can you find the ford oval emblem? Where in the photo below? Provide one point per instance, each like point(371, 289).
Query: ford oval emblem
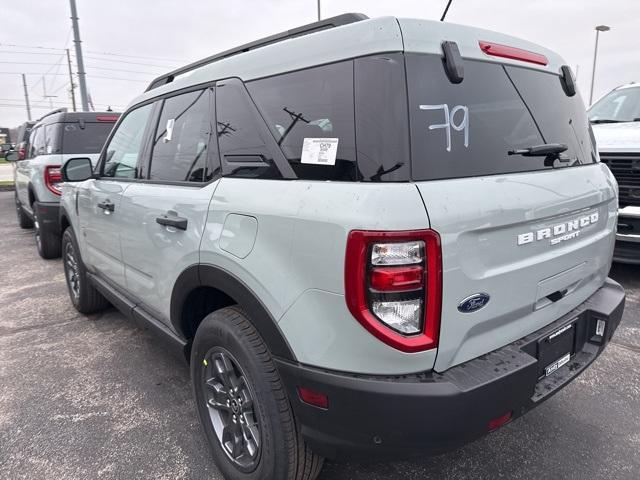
point(473, 302)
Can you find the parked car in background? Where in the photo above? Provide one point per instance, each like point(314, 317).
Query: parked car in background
point(56, 137)
point(616, 125)
point(373, 236)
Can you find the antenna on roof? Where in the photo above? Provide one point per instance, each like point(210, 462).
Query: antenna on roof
point(444, 14)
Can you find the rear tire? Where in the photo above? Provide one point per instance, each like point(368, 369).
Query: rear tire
point(47, 242)
point(85, 298)
point(23, 220)
point(250, 427)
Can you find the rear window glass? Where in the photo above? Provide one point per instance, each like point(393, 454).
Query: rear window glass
point(84, 137)
point(468, 129)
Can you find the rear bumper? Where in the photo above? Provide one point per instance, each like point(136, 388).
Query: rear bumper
point(430, 413)
point(49, 216)
point(627, 248)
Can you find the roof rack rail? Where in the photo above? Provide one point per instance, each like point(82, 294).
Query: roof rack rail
point(332, 22)
point(53, 112)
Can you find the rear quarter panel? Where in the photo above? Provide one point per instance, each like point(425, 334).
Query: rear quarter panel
point(296, 266)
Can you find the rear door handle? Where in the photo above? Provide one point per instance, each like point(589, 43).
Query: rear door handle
point(107, 206)
point(171, 221)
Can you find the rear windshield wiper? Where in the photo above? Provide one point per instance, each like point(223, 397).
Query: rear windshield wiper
point(546, 150)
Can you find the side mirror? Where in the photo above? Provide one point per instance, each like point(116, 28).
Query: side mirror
point(77, 170)
point(12, 157)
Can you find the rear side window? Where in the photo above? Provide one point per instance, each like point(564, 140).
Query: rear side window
point(316, 103)
point(181, 143)
point(467, 129)
point(121, 154)
point(243, 139)
point(45, 140)
point(84, 137)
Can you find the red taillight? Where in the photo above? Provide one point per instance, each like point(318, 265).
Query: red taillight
point(53, 178)
point(107, 118)
point(370, 287)
point(500, 421)
point(513, 53)
point(22, 153)
point(396, 279)
point(317, 399)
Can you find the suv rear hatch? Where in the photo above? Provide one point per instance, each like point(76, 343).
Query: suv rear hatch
point(534, 234)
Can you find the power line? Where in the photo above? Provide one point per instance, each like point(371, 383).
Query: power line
point(29, 53)
point(128, 62)
point(123, 79)
point(13, 45)
point(120, 70)
point(136, 56)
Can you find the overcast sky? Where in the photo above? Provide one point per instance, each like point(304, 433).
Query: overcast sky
point(151, 36)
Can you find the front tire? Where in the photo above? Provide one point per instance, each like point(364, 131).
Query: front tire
point(85, 298)
point(47, 242)
point(23, 220)
point(242, 403)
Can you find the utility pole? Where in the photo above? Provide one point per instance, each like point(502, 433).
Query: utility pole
point(599, 28)
point(319, 16)
point(26, 96)
point(73, 85)
point(81, 73)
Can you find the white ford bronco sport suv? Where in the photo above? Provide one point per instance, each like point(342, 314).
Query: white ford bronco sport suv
point(55, 138)
point(374, 236)
point(616, 126)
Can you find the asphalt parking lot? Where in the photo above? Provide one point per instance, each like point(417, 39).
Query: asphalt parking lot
point(95, 397)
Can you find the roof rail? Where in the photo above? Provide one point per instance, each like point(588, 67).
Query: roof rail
point(332, 22)
point(53, 112)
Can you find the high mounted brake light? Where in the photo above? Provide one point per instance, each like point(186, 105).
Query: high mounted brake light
point(53, 178)
point(513, 53)
point(393, 286)
point(107, 118)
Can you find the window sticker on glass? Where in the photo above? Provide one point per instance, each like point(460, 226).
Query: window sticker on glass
point(319, 151)
point(170, 123)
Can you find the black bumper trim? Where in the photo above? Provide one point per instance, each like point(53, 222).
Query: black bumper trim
point(430, 413)
point(49, 216)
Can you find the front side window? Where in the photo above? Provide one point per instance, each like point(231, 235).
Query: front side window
point(181, 143)
point(121, 155)
point(302, 108)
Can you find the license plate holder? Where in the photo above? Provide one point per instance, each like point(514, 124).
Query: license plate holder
point(555, 349)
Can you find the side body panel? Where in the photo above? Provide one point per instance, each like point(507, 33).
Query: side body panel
point(296, 266)
point(100, 228)
point(154, 255)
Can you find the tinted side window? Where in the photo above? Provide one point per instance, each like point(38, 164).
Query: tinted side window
point(121, 155)
point(382, 121)
point(84, 137)
point(242, 136)
point(37, 142)
point(313, 103)
point(181, 143)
